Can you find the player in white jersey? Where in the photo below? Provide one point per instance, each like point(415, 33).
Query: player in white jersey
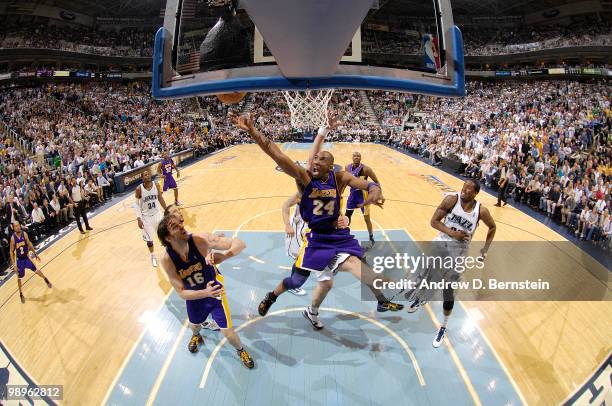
point(456, 218)
point(295, 227)
point(148, 205)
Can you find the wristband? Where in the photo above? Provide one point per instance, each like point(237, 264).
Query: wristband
point(323, 131)
point(373, 184)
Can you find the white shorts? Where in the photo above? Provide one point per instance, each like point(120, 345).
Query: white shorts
point(293, 244)
point(331, 269)
point(149, 231)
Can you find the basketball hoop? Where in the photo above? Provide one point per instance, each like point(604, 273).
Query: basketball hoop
point(308, 108)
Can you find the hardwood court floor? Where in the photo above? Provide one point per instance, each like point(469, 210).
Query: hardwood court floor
point(82, 331)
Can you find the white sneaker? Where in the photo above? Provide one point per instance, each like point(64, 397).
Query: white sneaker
point(154, 261)
point(297, 292)
point(313, 318)
point(211, 325)
point(439, 337)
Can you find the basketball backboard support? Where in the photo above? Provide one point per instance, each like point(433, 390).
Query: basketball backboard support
point(298, 45)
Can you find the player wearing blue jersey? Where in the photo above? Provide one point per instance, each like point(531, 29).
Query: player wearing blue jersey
point(20, 249)
point(327, 248)
point(191, 266)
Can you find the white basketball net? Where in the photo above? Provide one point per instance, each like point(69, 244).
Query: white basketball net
point(308, 108)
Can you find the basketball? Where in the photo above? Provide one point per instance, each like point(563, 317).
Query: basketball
point(231, 98)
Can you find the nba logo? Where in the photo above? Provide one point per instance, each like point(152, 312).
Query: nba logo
point(430, 50)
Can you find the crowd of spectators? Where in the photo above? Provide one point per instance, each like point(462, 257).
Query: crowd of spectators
point(546, 144)
point(478, 40)
point(82, 135)
point(123, 42)
point(587, 30)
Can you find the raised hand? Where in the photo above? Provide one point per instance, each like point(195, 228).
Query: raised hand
point(375, 197)
point(333, 121)
point(244, 122)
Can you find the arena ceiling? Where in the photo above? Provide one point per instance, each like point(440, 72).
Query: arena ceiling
point(151, 8)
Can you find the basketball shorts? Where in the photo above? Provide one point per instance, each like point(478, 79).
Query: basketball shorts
point(443, 249)
point(150, 223)
point(169, 182)
point(23, 264)
point(356, 198)
point(324, 253)
point(218, 309)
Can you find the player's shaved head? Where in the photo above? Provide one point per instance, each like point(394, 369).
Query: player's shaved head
point(327, 155)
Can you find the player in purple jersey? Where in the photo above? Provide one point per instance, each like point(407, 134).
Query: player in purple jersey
point(327, 248)
point(165, 168)
point(20, 247)
point(191, 266)
point(357, 196)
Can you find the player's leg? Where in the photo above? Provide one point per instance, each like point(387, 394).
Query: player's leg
point(447, 306)
point(42, 275)
point(20, 274)
point(295, 281)
point(367, 276)
point(220, 313)
point(148, 233)
point(366, 216)
point(323, 287)
point(197, 312)
point(293, 244)
point(176, 201)
point(368, 222)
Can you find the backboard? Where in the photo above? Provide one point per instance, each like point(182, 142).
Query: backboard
point(255, 45)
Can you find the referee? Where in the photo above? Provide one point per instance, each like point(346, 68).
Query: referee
point(77, 196)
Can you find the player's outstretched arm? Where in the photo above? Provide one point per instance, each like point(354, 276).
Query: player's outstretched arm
point(271, 149)
point(375, 195)
point(230, 247)
point(177, 283)
point(317, 145)
point(486, 218)
point(287, 205)
point(441, 211)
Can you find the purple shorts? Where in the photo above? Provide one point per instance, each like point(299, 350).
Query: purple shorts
point(198, 311)
point(23, 264)
point(169, 182)
point(319, 250)
point(355, 198)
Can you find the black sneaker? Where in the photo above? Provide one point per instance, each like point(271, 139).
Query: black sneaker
point(49, 285)
point(246, 359)
point(22, 297)
point(266, 303)
point(389, 306)
point(194, 343)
